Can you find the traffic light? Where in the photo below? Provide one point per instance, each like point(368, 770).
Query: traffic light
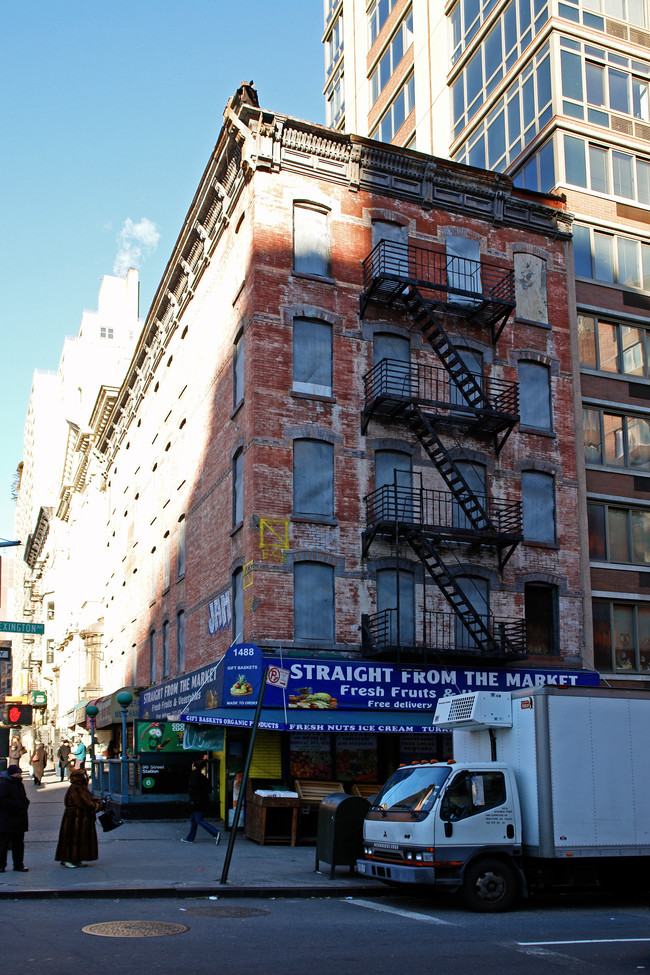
point(19, 714)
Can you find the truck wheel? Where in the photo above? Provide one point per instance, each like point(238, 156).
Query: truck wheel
point(489, 885)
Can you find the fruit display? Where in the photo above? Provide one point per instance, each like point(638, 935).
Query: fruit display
point(306, 700)
point(241, 687)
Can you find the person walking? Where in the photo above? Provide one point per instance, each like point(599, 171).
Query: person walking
point(37, 762)
point(199, 795)
point(16, 751)
point(14, 822)
point(63, 756)
point(79, 754)
point(78, 833)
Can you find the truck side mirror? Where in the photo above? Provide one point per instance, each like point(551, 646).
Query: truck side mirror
point(449, 829)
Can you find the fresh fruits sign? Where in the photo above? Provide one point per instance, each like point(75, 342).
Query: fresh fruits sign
point(243, 669)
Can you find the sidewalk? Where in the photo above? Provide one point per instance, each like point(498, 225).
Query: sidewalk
point(147, 859)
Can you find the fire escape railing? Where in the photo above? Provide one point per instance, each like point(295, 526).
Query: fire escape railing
point(476, 289)
point(388, 632)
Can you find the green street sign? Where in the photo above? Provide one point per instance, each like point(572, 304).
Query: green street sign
point(39, 699)
point(6, 627)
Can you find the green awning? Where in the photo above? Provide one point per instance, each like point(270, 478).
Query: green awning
point(275, 719)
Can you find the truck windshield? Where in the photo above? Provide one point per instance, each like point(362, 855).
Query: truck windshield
point(411, 790)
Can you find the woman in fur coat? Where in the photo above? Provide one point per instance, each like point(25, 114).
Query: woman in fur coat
point(78, 834)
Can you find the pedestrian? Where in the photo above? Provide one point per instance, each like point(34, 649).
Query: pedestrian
point(199, 795)
point(38, 762)
point(78, 833)
point(16, 751)
point(79, 754)
point(13, 818)
point(63, 756)
point(109, 751)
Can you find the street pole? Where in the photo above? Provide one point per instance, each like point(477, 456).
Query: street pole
point(244, 781)
point(91, 712)
point(124, 699)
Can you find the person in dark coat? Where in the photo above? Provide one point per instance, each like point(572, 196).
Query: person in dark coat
point(199, 795)
point(78, 833)
point(13, 818)
point(63, 756)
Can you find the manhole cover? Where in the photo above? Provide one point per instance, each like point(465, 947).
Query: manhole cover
point(228, 911)
point(135, 929)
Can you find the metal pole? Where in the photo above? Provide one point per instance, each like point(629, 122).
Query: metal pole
point(92, 751)
point(244, 781)
point(124, 778)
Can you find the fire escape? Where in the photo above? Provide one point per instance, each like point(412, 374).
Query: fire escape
point(438, 404)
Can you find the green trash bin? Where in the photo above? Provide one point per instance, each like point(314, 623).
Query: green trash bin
point(339, 840)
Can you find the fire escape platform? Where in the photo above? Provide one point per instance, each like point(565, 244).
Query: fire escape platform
point(478, 291)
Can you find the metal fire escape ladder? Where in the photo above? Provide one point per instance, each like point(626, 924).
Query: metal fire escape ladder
point(429, 556)
point(445, 349)
point(432, 444)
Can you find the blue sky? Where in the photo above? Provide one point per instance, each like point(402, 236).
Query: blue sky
point(109, 112)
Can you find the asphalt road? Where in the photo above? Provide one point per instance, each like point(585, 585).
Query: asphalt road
point(323, 936)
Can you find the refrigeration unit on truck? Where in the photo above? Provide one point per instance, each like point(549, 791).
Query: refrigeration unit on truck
point(548, 787)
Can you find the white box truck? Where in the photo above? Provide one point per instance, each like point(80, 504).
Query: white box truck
point(548, 787)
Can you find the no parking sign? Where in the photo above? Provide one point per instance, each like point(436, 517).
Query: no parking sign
point(277, 677)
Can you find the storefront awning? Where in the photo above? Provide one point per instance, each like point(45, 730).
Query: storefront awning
point(110, 711)
point(77, 714)
point(273, 719)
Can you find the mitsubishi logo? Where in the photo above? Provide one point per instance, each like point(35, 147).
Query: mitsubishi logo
point(385, 833)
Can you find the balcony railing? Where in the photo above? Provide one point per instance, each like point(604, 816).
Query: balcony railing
point(473, 288)
point(440, 512)
point(441, 633)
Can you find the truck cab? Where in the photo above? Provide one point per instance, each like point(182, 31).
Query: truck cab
point(453, 826)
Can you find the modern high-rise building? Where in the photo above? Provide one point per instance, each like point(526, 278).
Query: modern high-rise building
point(556, 94)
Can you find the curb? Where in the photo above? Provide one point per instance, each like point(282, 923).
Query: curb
point(218, 891)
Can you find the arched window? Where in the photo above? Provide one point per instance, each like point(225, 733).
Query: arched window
point(397, 605)
point(313, 478)
point(312, 357)
point(238, 487)
point(237, 606)
point(477, 593)
point(311, 239)
point(535, 395)
point(313, 602)
point(180, 642)
point(538, 502)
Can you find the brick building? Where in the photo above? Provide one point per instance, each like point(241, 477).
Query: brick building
point(347, 437)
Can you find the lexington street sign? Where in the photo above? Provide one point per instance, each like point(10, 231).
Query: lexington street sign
point(6, 627)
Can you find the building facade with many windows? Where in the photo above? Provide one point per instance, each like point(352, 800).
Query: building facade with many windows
point(345, 435)
point(556, 95)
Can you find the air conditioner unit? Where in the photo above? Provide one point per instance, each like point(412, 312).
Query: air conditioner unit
point(481, 709)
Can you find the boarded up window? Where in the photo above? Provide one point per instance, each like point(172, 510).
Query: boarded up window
point(237, 606)
point(477, 594)
point(311, 240)
point(535, 395)
point(313, 478)
point(463, 267)
point(538, 498)
point(238, 487)
point(313, 601)
point(530, 288)
point(312, 357)
point(399, 606)
point(238, 371)
point(393, 347)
